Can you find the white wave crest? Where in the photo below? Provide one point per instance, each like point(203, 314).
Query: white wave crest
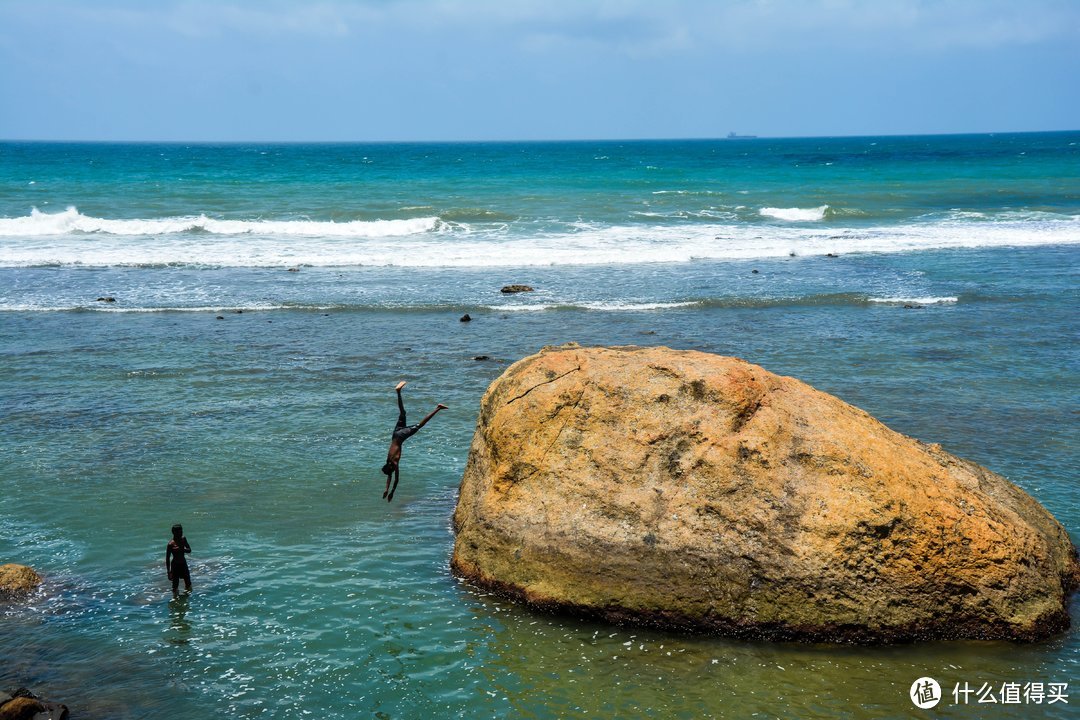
point(795, 214)
point(71, 220)
point(915, 300)
point(516, 245)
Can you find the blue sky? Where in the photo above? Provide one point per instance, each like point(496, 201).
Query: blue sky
point(533, 69)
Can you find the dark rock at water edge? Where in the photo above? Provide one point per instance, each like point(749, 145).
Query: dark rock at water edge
point(25, 705)
point(466, 318)
point(509, 289)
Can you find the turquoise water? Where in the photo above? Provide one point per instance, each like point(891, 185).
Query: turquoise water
point(263, 431)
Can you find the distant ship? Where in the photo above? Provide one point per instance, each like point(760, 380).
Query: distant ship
point(733, 136)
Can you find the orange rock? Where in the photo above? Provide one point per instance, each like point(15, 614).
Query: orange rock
point(21, 708)
point(693, 491)
point(17, 579)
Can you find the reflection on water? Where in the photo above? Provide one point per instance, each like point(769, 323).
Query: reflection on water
point(179, 630)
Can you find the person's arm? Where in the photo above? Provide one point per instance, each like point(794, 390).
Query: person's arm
point(187, 547)
point(168, 556)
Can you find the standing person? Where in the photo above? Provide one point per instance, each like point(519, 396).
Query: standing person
point(175, 562)
point(402, 432)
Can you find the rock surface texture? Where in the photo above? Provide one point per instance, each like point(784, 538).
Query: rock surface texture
point(699, 492)
point(17, 579)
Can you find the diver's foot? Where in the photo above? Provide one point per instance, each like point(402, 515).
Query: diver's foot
point(389, 497)
point(440, 406)
point(400, 385)
point(384, 494)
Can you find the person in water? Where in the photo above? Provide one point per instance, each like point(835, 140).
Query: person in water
point(175, 562)
point(402, 432)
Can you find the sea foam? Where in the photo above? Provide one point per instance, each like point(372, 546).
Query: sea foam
point(795, 214)
point(70, 238)
point(38, 223)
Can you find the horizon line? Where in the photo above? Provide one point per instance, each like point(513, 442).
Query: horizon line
point(474, 141)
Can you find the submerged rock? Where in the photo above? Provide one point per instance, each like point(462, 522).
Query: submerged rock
point(693, 491)
point(508, 289)
point(17, 579)
point(25, 705)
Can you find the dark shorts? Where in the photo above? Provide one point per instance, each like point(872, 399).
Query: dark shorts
point(401, 434)
point(180, 572)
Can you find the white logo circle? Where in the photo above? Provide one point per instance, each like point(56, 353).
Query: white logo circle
point(925, 693)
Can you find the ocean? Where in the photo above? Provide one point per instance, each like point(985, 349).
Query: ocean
point(211, 335)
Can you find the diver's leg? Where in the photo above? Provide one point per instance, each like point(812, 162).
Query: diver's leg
point(401, 409)
point(430, 415)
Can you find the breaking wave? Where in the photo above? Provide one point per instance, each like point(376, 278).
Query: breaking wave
point(71, 220)
point(73, 239)
point(795, 214)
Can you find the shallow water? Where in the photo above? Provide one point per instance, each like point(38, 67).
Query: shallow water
point(262, 432)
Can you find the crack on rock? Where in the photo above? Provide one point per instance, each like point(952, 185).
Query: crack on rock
point(511, 401)
point(572, 406)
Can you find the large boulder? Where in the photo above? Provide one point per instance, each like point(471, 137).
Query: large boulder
point(693, 491)
point(17, 580)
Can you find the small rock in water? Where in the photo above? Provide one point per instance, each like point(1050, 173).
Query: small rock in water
point(17, 580)
point(481, 357)
point(832, 255)
point(913, 307)
point(508, 289)
point(24, 704)
point(294, 269)
point(466, 318)
point(755, 272)
point(238, 312)
point(220, 317)
point(106, 299)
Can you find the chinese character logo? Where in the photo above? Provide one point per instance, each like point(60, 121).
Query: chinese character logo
point(925, 693)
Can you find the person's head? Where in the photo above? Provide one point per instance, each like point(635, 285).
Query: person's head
point(177, 531)
point(388, 469)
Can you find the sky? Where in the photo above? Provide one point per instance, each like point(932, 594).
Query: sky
point(399, 70)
